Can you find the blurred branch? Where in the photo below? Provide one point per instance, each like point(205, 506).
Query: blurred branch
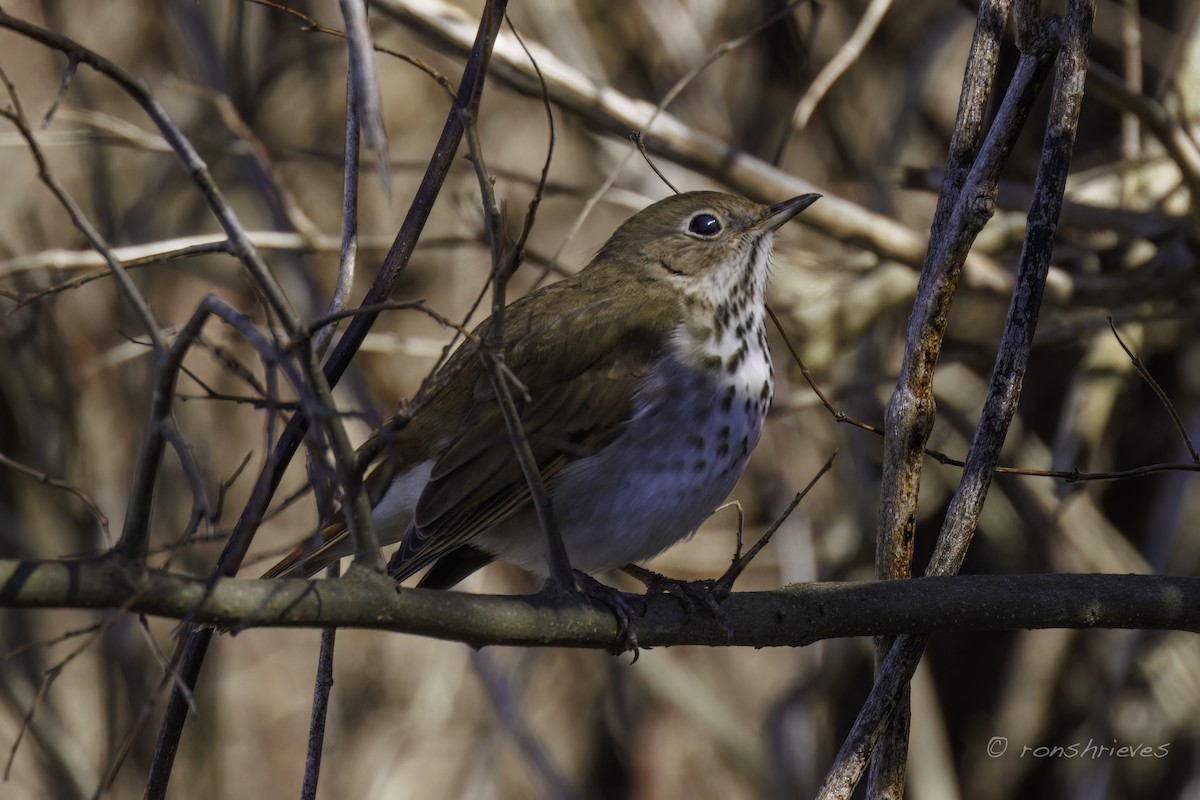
point(793, 616)
point(846, 55)
point(721, 50)
point(1171, 133)
point(161, 429)
point(668, 137)
point(368, 105)
point(270, 178)
point(136, 255)
point(138, 91)
point(46, 480)
point(125, 284)
point(311, 24)
point(1069, 475)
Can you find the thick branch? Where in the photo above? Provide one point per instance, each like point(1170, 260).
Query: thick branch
point(794, 616)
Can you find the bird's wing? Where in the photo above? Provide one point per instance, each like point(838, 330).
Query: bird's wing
point(581, 369)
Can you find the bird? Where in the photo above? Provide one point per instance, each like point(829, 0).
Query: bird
point(646, 378)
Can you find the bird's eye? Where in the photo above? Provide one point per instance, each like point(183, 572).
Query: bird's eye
point(704, 225)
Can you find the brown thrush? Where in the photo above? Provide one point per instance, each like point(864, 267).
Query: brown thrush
point(647, 377)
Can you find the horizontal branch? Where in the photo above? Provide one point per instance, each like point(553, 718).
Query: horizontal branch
point(795, 615)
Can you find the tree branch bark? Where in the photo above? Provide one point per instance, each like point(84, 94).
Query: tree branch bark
point(793, 616)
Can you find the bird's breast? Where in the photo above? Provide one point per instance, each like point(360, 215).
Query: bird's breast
point(675, 461)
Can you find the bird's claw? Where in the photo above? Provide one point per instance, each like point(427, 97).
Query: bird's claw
point(707, 593)
point(624, 606)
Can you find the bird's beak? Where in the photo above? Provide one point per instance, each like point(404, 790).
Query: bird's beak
point(781, 212)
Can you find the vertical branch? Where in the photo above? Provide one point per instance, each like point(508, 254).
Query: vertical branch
point(368, 106)
point(965, 204)
point(320, 706)
point(1004, 390)
point(323, 682)
point(909, 413)
point(1019, 327)
point(505, 260)
point(349, 252)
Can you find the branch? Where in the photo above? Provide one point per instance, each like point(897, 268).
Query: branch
point(793, 616)
point(889, 693)
point(470, 89)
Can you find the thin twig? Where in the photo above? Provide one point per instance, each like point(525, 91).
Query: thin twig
point(671, 138)
point(505, 261)
point(192, 162)
point(717, 53)
point(640, 141)
point(740, 562)
point(1158, 392)
point(125, 284)
point(272, 182)
point(322, 685)
point(311, 24)
point(349, 249)
point(1070, 476)
point(46, 480)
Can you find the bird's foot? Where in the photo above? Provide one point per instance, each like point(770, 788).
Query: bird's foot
point(706, 593)
point(624, 606)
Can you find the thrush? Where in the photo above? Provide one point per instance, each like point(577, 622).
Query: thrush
point(647, 377)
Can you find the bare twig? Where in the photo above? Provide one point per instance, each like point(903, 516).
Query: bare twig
point(46, 480)
point(195, 166)
point(718, 52)
point(271, 180)
point(740, 560)
point(1070, 476)
point(186, 246)
point(349, 248)
point(505, 260)
point(124, 283)
point(636, 136)
point(312, 25)
point(1158, 392)
point(320, 705)
point(966, 203)
point(670, 138)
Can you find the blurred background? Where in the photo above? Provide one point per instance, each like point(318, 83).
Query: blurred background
point(262, 98)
